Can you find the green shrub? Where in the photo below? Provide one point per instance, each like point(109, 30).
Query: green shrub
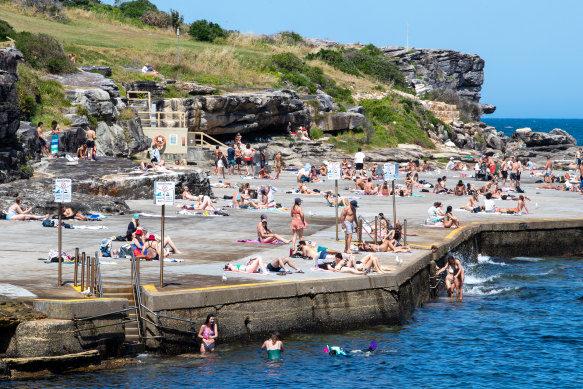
point(137, 8)
point(6, 31)
point(293, 70)
point(205, 31)
point(291, 37)
point(43, 52)
point(369, 60)
point(127, 114)
point(316, 133)
point(40, 99)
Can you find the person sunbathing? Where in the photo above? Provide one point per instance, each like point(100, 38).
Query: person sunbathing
point(14, 212)
point(449, 219)
point(204, 203)
point(460, 189)
point(265, 235)
point(520, 206)
point(359, 183)
point(369, 188)
point(263, 173)
point(168, 242)
point(251, 266)
point(339, 265)
point(473, 202)
point(303, 188)
point(278, 264)
point(342, 201)
point(385, 247)
point(68, 213)
point(384, 189)
point(186, 195)
point(320, 252)
point(368, 264)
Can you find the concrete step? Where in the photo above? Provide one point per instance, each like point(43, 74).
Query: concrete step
point(131, 331)
point(133, 347)
point(132, 338)
point(117, 289)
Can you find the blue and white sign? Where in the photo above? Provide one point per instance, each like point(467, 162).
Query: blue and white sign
point(63, 190)
point(391, 171)
point(334, 171)
point(163, 193)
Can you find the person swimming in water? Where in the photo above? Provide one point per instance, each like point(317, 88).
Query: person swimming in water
point(339, 351)
point(274, 346)
point(208, 333)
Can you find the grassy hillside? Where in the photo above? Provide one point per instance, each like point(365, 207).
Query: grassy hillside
point(238, 60)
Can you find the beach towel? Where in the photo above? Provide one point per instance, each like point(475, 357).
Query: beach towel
point(94, 216)
point(54, 144)
point(257, 241)
point(89, 227)
point(436, 225)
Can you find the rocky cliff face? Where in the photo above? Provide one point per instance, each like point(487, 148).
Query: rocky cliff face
point(428, 69)
point(11, 155)
point(243, 112)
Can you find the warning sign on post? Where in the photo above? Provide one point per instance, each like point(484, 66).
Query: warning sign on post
point(334, 171)
point(163, 193)
point(391, 171)
point(63, 190)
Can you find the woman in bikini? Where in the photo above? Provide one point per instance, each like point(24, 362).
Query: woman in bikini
point(368, 264)
point(251, 266)
point(455, 276)
point(16, 213)
point(460, 189)
point(449, 220)
point(342, 202)
point(208, 333)
point(298, 221)
point(265, 235)
point(385, 247)
point(303, 189)
point(385, 191)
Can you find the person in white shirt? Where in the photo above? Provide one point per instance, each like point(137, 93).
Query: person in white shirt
point(450, 165)
point(359, 161)
point(489, 206)
point(155, 154)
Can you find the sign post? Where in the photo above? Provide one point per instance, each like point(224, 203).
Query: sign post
point(334, 174)
point(391, 173)
point(62, 195)
point(163, 195)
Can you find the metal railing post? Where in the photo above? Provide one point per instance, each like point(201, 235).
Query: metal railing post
point(83, 272)
point(76, 266)
point(360, 230)
point(405, 232)
point(375, 229)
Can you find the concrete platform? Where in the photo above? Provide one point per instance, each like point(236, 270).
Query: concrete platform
point(209, 242)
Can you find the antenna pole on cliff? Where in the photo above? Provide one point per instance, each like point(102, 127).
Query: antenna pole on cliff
point(177, 46)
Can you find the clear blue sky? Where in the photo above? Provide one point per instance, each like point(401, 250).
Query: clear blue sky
point(533, 49)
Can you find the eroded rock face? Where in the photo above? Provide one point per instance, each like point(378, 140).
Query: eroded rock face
point(244, 112)
point(538, 139)
point(11, 155)
point(427, 69)
point(104, 70)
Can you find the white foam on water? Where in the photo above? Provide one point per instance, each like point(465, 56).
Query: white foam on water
point(481, 291)
point(528, 259)
point(475, 280)
point(10, 290)
point(487, 259)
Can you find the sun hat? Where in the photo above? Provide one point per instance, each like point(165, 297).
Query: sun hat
point(136, 216)
point(298, 200)
point(353, 203)
point(105, 242)
point(263, 217)
point(139, 231)
point(151, 237)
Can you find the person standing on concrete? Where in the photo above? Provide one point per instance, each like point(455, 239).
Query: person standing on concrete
point(248, 155)
point(359, 162)
point(277, 164)
point(348, 220)
point(298, 221)
point(549, 170)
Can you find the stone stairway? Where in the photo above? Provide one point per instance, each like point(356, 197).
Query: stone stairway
point(125, 291)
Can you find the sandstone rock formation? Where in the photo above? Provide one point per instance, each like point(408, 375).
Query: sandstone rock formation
point(243, 112)
point(428, 69)
point(536, 139)
point(105, 70)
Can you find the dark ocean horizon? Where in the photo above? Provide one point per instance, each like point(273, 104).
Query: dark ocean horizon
point(508, 126)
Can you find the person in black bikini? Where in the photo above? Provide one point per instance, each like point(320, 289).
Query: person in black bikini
point(279, 263)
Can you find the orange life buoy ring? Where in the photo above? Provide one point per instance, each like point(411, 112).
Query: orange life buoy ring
point(160, 140)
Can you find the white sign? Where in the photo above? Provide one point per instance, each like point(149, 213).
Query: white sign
point(163, 193)
point(63, 190)
point(334, 171)
point(391, 171)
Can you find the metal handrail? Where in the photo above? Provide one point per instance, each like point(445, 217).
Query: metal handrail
point(104, 314)
point(137, 294)
point(158, 118)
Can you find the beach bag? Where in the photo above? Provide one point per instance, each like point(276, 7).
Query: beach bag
point(48, 223)
point(2, 215)
point(125, 250)
point(519, 189)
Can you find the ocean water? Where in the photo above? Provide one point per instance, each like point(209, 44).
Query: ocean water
point(520, 326)
point(508, 126)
